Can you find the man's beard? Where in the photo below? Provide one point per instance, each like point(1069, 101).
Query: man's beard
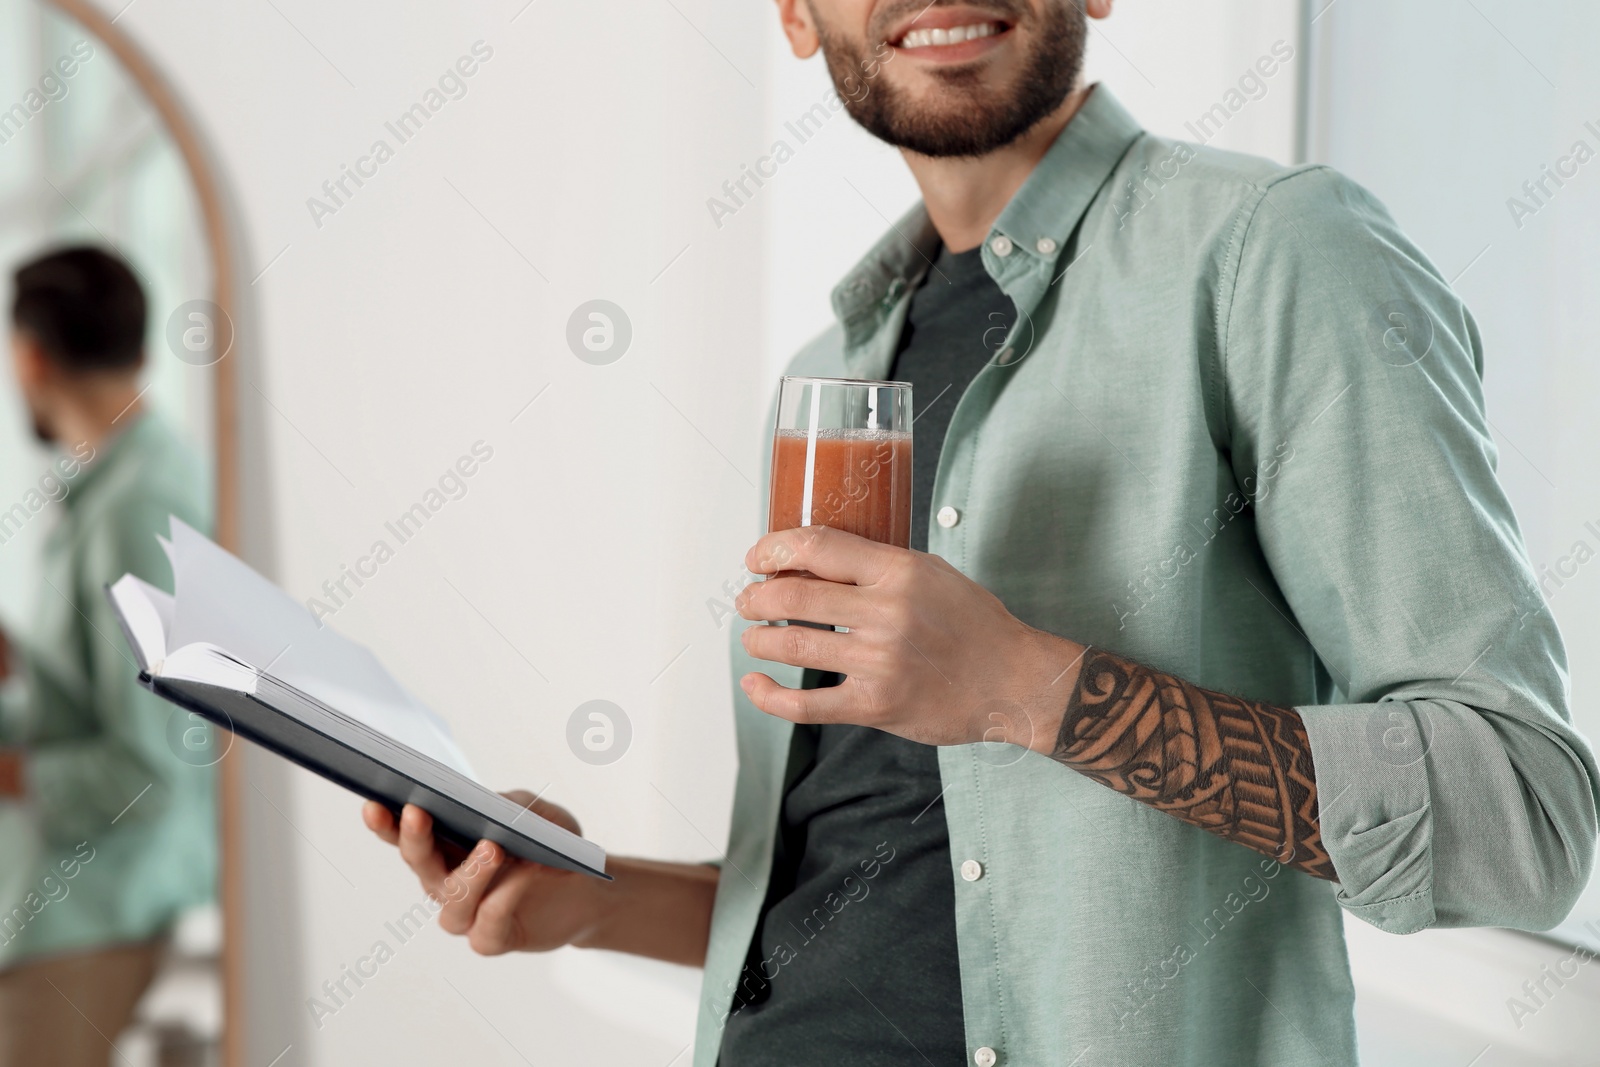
point(982, 121)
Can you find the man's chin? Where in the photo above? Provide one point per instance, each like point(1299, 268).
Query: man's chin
point(954, 127)
point(955, 86)
point(957, 111)
point(1012, 82)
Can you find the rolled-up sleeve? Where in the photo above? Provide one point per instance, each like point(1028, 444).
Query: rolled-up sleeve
point(1453, 789)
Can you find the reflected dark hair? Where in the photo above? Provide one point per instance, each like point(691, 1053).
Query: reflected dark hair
point(84, 307)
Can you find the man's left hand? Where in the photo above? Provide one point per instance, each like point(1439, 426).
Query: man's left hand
point(930, 654)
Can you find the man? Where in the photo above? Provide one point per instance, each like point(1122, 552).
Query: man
point(124, 807)
point(1215, 525)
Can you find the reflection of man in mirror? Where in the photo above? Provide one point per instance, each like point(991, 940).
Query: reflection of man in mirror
point(125, 825)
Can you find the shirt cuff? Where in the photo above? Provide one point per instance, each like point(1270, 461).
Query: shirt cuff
point(1374, 809)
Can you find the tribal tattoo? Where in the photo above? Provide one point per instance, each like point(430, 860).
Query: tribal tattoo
point(1236, 768)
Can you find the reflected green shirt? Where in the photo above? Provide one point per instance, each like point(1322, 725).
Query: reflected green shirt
point(1238, 435)
point(110, 798)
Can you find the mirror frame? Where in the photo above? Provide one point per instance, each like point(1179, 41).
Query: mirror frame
point(219, 239)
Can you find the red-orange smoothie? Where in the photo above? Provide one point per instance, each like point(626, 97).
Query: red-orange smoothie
point(861, 483)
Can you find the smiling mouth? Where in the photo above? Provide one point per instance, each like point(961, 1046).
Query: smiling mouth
point(936, 37)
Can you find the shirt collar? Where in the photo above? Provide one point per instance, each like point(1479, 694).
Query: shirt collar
point(119, 443)
point(1023, 247)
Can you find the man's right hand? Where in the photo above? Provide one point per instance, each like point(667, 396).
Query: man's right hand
point(504, 904)
point(499, 902)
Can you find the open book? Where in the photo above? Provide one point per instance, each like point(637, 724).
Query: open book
point(235, 649)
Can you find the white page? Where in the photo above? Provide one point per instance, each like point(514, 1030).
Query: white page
point(210, 665)
point(147, 613)
point(166, 608)
point(222, 601)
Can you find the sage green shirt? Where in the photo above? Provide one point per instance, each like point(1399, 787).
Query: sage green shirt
point(1238, 435)
point(110, 798)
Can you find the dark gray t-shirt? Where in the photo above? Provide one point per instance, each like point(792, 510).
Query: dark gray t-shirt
point(854, 958)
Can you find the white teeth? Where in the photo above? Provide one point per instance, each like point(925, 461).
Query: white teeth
point(925, 38)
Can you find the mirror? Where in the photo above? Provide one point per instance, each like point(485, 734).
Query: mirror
point(111, 932)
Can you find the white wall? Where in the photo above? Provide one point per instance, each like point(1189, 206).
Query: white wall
point(578, 564)
point(420, 319)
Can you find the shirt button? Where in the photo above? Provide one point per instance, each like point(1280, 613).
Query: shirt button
point(1045, 245)
point(972, 870)
point(984, 1057)
point(1001, 245)
point(948, 516)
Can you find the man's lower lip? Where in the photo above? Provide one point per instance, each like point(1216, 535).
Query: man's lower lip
point(956, 53)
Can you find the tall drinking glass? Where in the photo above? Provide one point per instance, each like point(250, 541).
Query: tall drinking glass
point(841, 457)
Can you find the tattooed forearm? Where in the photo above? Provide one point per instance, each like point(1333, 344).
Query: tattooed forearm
point(1239, 769)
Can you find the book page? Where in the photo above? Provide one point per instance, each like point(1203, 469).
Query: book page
point(147, 614)
point(222, 601)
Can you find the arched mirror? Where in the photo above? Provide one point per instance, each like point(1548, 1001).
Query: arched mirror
point(112, 937)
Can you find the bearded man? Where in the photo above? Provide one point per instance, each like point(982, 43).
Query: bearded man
point(1216, 622)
